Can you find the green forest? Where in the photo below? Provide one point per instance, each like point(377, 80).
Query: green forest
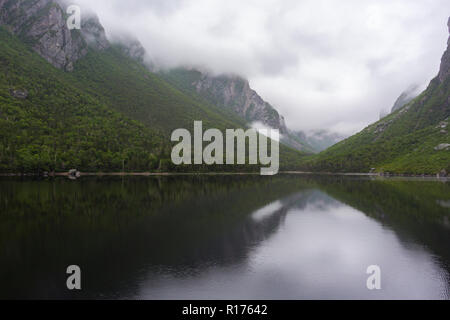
point(110, 115)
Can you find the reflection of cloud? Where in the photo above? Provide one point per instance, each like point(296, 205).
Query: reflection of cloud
point(322, 252)
point(267, 211)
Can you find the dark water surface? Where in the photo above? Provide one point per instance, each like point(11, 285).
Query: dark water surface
point(226, 237)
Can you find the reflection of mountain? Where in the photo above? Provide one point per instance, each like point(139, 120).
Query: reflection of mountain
point(117, 229)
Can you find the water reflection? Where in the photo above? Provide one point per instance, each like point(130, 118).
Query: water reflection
point(224, 237)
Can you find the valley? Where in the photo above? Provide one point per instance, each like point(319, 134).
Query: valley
point(106, 110)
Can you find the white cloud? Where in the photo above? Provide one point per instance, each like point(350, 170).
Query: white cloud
point(322, 63)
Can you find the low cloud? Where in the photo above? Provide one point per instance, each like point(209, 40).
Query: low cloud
point(324, 64)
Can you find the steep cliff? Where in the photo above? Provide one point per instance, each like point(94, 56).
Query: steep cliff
point(228, 91)
point(235, 92)
point(43, 25)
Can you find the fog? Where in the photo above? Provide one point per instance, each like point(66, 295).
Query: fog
point(324, 64)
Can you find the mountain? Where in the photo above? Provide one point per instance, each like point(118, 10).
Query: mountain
point(47, 123)
point(412, 140)
point(233, 93)
point(42, 24)
point(228, 91)
point(318, 140)
point(74, 99)
point(406, 97)
point(298, 141)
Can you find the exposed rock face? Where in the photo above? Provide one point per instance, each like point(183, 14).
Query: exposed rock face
point(442, 146)
point(235, 92)
point(42, 23)
point(19, 94)
point(445, 63)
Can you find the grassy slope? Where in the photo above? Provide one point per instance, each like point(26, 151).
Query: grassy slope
point(403, 142)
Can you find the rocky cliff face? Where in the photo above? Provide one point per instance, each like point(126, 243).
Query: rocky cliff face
point(445, 64)
point(43, 24)
point(235, 92)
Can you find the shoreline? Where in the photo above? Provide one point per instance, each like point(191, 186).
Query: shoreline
point(174, 174)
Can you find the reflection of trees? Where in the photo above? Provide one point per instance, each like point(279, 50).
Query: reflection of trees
point(117, 228)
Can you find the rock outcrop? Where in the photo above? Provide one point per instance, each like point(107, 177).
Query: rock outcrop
point(443, 146)
point(43, 24)
point(235, 92)
point(444, 71)
point(19, 94)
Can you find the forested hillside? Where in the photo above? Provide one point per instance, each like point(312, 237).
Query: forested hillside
point(109, 114)
point(48, 123)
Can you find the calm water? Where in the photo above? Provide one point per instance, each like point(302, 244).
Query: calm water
point(225, 238)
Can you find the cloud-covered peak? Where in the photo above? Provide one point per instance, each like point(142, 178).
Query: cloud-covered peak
point(324, 64)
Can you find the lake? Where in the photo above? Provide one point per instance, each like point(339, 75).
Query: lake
point(225, 237)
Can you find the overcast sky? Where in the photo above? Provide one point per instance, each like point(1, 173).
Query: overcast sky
point(324, 64)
